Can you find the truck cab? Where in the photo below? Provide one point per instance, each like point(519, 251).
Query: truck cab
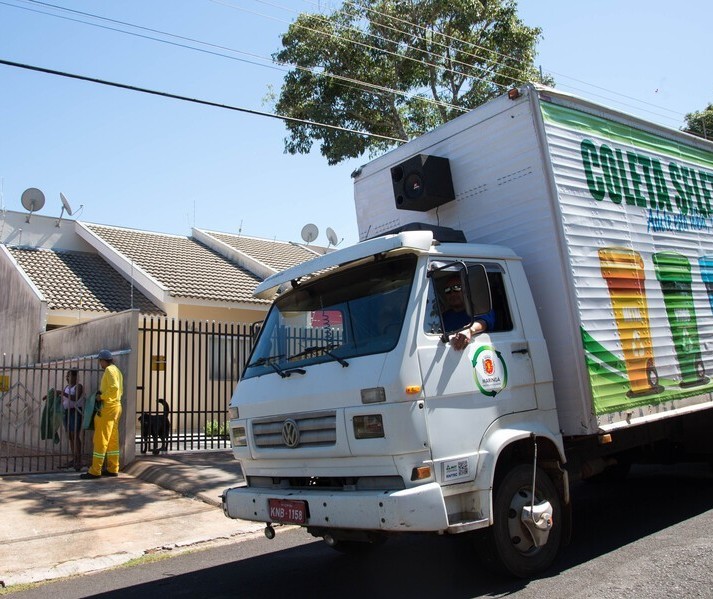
point(356, 416)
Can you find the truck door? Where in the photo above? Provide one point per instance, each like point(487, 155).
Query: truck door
point(465, 391)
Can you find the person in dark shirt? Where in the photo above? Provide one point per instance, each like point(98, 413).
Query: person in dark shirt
point(455, 316)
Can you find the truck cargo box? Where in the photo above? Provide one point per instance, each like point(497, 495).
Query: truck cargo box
point(612, 216)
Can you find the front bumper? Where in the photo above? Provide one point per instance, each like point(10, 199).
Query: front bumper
point(418, 509)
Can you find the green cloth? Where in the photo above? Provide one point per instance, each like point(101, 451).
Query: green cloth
point(51, 418)
point(91, 407)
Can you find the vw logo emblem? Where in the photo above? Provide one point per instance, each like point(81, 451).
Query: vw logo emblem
point(290, 433)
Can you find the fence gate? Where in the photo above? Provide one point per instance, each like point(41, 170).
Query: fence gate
point(32, 430)
point(193, 366)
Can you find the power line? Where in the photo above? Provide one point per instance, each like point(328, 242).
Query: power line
point(193, 100)
point(412, 35)
point(471, 44)
point(506, 56)
point(355, 42)
point(374, 88)
point(497, 63)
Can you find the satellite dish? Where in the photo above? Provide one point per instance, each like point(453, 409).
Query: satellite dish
point(332, 236)
point(65, 204)
point(32, 200)
point(309, 232)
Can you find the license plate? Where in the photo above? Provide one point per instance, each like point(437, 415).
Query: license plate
point(287, 511)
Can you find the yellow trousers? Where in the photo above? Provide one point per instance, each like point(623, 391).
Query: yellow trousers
point(106, 438)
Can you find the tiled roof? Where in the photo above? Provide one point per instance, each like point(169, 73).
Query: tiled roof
point(275, 254)
point(185, 266)
point(79, 281)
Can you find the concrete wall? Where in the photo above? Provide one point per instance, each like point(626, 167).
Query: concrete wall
point(117, 333)
point(22, 311)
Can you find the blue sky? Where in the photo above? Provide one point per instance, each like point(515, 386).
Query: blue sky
point(164, 165)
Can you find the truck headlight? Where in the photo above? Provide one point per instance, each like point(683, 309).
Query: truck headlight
point(373, 395)
point(369, 426)
point(240, 439)
point(233, 412)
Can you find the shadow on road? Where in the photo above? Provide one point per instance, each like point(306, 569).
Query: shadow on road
point(607, 516)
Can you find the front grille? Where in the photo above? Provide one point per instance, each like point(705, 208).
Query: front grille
point(316, 429)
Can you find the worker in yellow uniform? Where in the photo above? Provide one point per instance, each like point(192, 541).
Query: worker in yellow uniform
point(106, 421)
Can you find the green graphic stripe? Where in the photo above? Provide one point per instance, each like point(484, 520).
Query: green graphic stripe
point(599, 353)
point(599, 370)
point(626, 134)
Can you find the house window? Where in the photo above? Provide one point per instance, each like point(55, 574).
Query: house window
point(225, 353)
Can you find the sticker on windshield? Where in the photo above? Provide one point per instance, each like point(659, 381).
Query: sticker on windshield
point(489, 370)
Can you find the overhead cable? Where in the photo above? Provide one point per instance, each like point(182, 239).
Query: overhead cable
point(374, 88)
point(194, 100)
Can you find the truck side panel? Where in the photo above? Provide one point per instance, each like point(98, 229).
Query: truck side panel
point(612, 217)
point(636, 215)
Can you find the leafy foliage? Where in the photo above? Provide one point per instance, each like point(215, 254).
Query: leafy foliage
point(700, 123)
point(397, 68)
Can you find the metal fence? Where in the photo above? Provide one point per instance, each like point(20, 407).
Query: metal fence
point(194, 367)
point(32, 437)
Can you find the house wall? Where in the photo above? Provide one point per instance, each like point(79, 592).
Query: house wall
point(117, 333)
point(241, 314)
point(22, 310)
point(67, 318)
point(41, 232)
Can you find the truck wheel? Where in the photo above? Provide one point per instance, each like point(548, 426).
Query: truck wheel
point(508, 545)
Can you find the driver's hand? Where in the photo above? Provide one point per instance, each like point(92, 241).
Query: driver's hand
point(460, 340)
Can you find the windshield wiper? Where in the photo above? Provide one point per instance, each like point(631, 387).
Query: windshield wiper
point(326, 349)
point(270, 361)
point(264, 360)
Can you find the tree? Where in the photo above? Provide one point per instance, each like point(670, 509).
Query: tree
point(700, 123)
point(397, 68)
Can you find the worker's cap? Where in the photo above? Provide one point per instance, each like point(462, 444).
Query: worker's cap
point(105, 354)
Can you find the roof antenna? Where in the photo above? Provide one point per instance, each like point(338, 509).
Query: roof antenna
point(132, 283)
point(2, 206)
point(65, 206)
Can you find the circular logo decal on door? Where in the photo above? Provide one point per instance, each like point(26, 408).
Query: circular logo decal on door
point(489, 370)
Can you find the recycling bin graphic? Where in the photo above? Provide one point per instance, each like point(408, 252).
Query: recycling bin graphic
point(706, 264)
point(623, 270)
point(673, 271)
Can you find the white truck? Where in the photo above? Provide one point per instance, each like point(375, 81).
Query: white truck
point(582, 236)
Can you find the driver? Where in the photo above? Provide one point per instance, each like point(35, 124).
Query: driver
point(456, 317)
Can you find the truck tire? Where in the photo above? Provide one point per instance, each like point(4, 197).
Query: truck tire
point(507, 546)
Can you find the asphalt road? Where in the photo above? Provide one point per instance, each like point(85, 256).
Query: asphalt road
point(649, 537)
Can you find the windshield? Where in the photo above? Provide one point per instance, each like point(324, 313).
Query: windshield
point(351, 313)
